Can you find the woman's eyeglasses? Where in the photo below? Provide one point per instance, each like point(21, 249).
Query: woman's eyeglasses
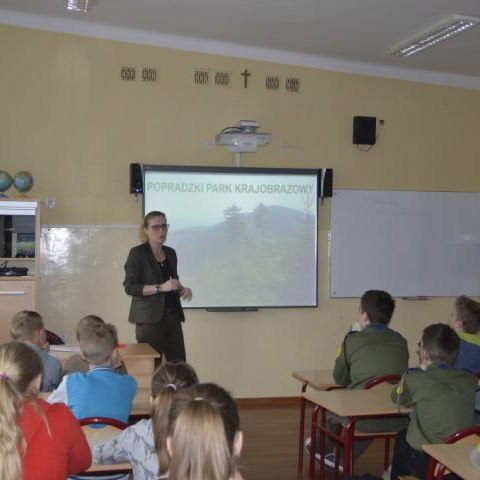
point(157, 228)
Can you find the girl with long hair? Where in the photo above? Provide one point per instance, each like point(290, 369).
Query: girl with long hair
point(204, 438)
point(38, 441)
point(139, 443)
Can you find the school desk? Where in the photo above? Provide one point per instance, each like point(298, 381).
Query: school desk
point(354, 405)
point(318, 380)
point(139, 359)
point(456, 457)
point(141, 407)
point(98, 435)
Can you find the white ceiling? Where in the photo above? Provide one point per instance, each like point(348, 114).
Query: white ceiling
point(344, 35)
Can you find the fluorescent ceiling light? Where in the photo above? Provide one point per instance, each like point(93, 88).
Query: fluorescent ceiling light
point(452, 26)
point(79, 5)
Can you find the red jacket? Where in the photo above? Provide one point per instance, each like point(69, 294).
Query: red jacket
point(54, 455)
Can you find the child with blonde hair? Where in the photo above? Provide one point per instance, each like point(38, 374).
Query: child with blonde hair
point(27, 327)
point(137, 443)
point(101, 392)
point(76, 363)
point(38, 441)
point(204, 437)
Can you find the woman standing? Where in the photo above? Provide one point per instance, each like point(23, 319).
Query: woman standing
point(152, 281)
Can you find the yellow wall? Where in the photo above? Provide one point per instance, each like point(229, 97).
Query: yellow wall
point(67, 117)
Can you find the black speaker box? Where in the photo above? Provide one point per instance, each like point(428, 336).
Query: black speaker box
point(136, 178)
point(364, 130)
point(325, 182)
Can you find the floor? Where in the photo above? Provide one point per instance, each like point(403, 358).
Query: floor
point(271, 445)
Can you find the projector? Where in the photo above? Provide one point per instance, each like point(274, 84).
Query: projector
point(243, 142)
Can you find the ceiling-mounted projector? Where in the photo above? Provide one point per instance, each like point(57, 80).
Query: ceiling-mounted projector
point(243, 137)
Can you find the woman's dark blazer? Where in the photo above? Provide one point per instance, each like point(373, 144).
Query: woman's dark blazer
point(141, 268)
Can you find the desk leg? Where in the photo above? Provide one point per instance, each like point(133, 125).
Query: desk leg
point(313, 439)
point(302, 429)
point(432, 463)
point(386, 454)
point(348, 448)
point(323, 440)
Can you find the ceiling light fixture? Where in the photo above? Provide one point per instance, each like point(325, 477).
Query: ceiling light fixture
point(452, 26)
point(79, 5)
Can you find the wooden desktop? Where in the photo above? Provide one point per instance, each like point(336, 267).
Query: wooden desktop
point(456, 457)
point(98, 435)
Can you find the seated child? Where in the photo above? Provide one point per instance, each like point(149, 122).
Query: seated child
point(38, 441)
point(27, 327)
point(76, 363)
point(136, 444)
point(373, 351)
point(465, 320)
point(442, 399)
point(101, 392)
point(204, 437)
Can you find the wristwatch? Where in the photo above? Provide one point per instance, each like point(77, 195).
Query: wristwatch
point(157, 288)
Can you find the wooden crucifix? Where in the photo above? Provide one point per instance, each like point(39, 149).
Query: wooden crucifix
point(245, 76)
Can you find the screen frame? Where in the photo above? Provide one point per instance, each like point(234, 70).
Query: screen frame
point(157, 168)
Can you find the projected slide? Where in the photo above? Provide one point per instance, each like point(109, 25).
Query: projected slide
point(243, 238)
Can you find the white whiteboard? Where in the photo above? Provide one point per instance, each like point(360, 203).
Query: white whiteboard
point(411, 244)
point(82, 273)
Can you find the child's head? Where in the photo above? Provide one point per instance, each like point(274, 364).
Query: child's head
point(27, 326)
point(87, 322)
point(98, 342)
point(166, 381)
point(440, 345)
point(20, 374)
point(466, 315)
point(19, 366)
point(204, 434)
point(377, 306)
point(172, 376)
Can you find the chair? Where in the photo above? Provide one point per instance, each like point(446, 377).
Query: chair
point(53, 338)
point(347, 442)
point(113, 422)
point(103, 429)
point(435, 469)
point(373, 382)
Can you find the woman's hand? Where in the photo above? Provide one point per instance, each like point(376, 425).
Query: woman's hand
point(186, 294)
point(170, 285)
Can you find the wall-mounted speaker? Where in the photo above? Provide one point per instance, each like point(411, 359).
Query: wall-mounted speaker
point(325, 182)
point(364, 130)
point(136, 178)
